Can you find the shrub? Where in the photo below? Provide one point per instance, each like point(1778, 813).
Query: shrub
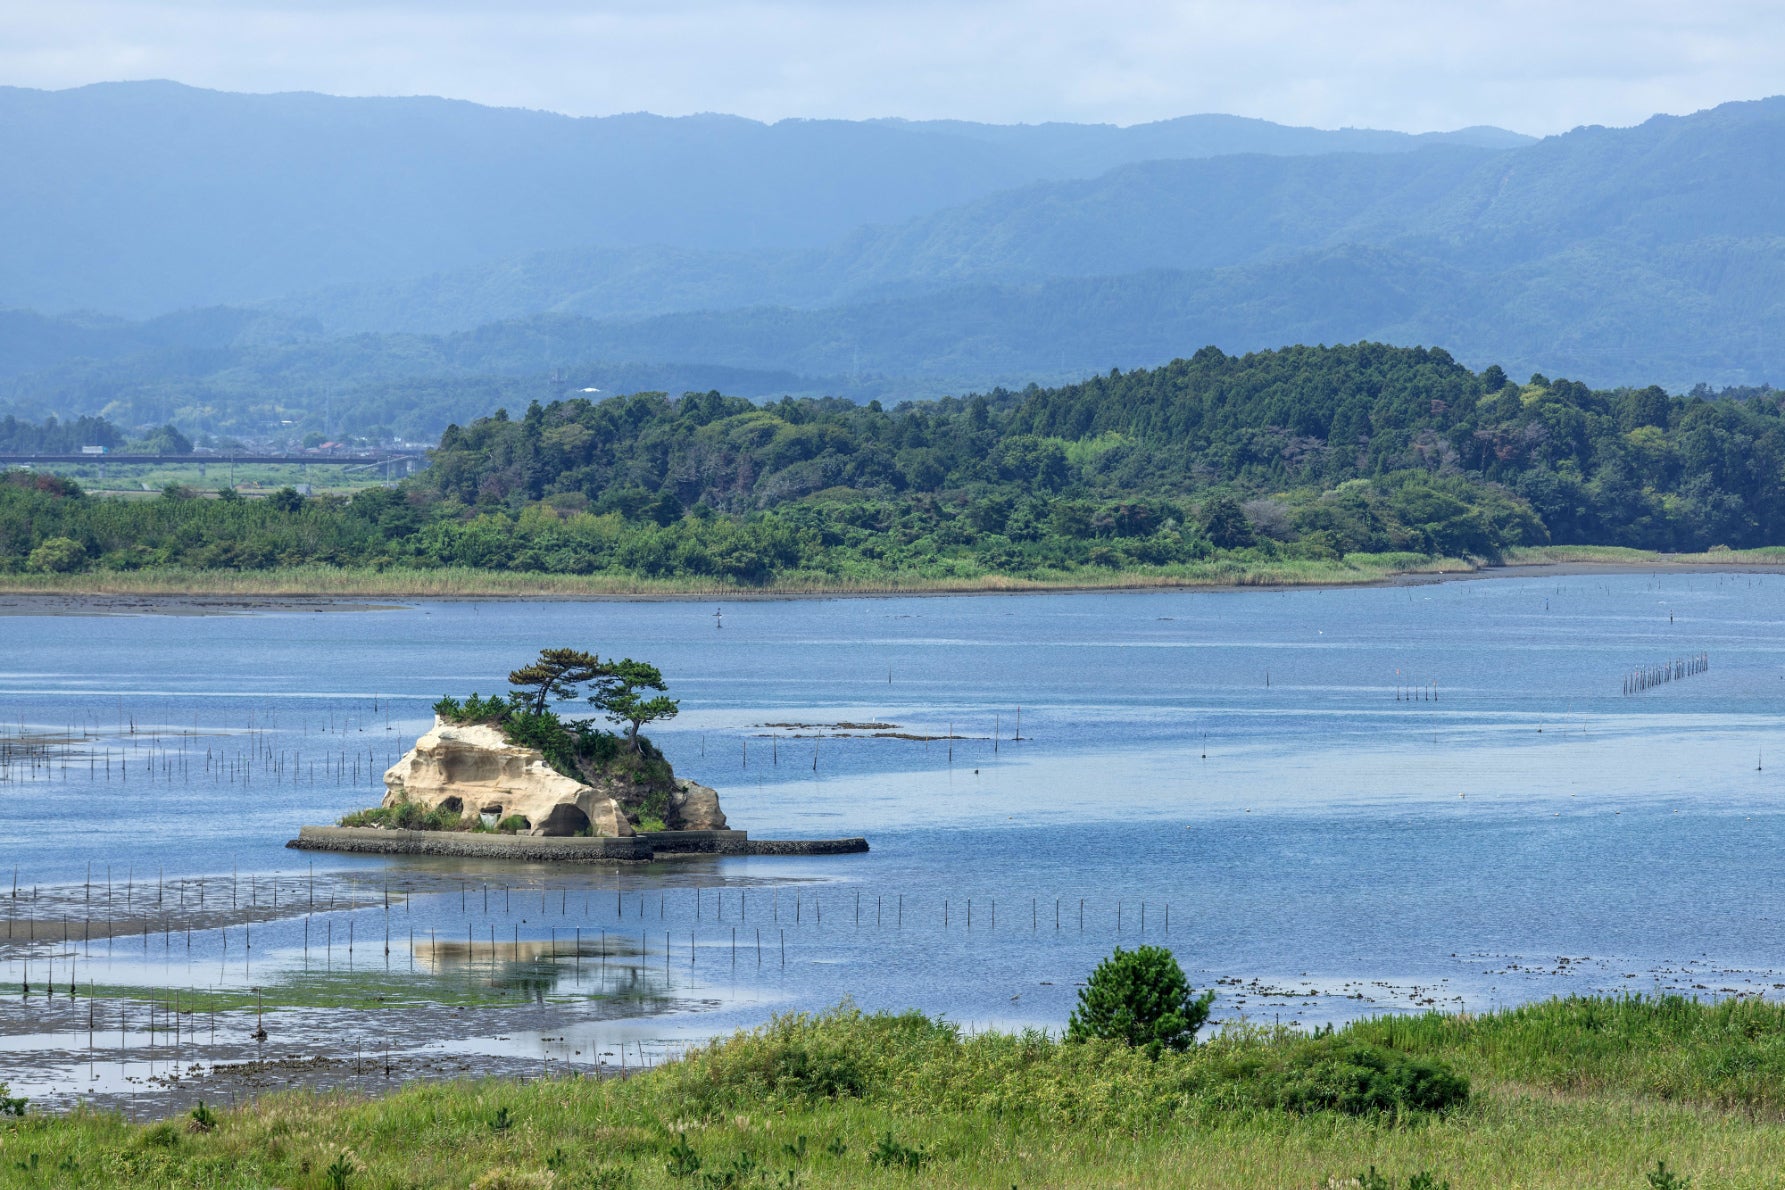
point(57, 555)
point(407, 816)
point(801, 1058)
point(474, 710)
point(891, 1154)
point(202, 1119)
point(1141, 998)
point(1663, 1178)
point(159, 1136)
point(1332, 1074)
point(1425, 1179)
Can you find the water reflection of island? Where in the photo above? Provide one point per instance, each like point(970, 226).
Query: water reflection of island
point(601, 966)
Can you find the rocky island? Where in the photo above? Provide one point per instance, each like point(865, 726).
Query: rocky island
point(508, 776)
point(473, 769)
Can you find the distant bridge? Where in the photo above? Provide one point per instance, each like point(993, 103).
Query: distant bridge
point(367, 458)
point(394, 462)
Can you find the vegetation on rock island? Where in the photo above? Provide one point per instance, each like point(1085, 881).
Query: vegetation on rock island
point(1309, 462)
point(627, 765)
point(1630, 1092)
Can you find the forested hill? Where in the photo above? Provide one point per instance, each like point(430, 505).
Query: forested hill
point(1318, 442)
point(1307, 455)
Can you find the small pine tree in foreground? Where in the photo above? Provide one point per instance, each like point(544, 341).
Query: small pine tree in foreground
point(1140, 997)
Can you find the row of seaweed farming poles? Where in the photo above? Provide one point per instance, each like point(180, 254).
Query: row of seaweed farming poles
point(28, 754)
point(23, 754)
point(1647, 677)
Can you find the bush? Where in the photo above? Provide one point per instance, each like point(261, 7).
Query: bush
point(474, 710)
point(801, 1058)
point(407, 816)
point(57, 555)
point(1140, 998)
point(1360, 1079)
point(10, 1104)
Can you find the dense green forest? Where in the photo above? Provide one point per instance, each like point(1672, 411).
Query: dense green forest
point(1309, 453)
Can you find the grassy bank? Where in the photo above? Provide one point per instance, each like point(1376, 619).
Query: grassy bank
point(1574, 1093)
point(456, 582)
point(461, 582)
point(1611, 555)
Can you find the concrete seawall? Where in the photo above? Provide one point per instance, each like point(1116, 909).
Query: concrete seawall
point(557, 849)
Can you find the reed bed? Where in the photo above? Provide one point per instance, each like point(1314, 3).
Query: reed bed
point(454, 582)
point(320, 581)
point(1612, 555)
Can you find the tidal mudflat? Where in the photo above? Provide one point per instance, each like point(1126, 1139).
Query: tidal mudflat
point(1331, 803)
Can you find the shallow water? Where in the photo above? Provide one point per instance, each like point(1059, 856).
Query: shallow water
point(1347, 801)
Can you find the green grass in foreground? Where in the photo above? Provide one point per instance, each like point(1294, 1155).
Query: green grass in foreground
point(1570, 1093)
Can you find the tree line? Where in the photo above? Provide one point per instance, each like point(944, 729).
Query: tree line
point(52, 436)
point(1307, 452)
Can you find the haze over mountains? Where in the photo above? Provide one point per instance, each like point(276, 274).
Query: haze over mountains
point(401, 263)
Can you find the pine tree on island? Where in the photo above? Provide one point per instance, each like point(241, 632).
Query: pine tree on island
point(618, 693)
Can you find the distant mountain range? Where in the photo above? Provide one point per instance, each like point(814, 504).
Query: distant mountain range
point(400, 260)
point(143, 198)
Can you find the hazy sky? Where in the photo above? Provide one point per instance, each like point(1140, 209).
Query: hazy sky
point(1534, 65)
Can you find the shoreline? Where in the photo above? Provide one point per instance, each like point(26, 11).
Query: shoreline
point(644, 847)
point(226, 593)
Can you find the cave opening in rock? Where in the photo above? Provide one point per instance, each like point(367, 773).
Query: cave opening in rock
point(565, 819)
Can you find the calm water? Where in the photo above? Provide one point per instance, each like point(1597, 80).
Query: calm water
point(1270, 769)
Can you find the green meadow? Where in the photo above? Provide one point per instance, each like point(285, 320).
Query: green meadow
point(1585, 1092)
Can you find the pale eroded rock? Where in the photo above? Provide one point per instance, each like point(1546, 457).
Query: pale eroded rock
point(694, 807)
point(475, 771)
